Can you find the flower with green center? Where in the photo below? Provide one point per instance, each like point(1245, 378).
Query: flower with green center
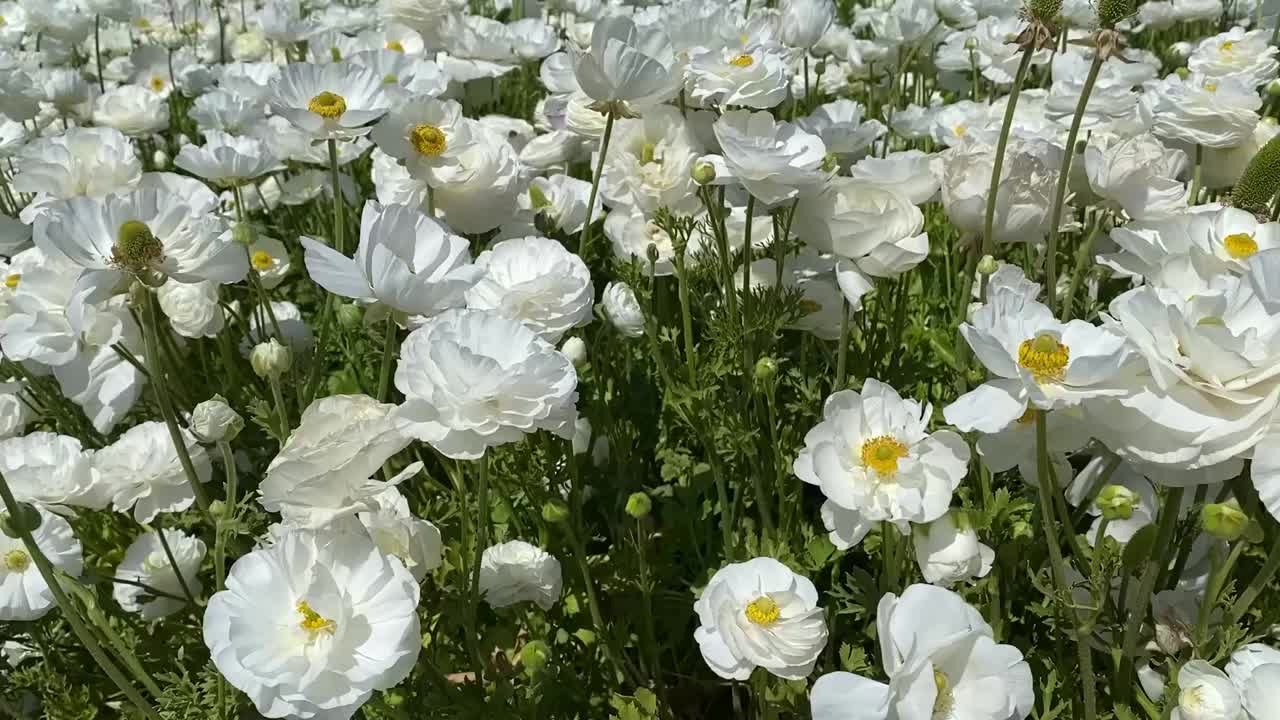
point(328, 105)
point(763, 611)
point(17, 561)
point(944, 702)
point(882, 454)
point(313, 622)
point(1045, 356)
point(137, 249)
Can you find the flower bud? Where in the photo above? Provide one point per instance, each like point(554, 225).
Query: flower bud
point(704, 173)
point(534, 656)
point(160, 159)
point(555, 511)
point(1116, 502)
point(652, 253)
point(27, 519)
point(1224, 521)
point(1182, 73)
point(988, 265)
point(218, 509)
point(639, 505)
point(244, 233)
point(1273, 88)
point(766, 369)
point(1111, 12)
point(350, 315)
point(820, 68)
point(971, 43)
point(214, 421)
point(576, 350)
point(1081, 146)
point(270, 359)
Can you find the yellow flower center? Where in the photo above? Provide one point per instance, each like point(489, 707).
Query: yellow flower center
point(809, 307)
point(1191, 698)
point(1045, 357)
point(142, 23)
point(1228, 46)
point(136, 249)
point(944, 702)
point(312, 622)
point(1240, 245)
point(328, 105)
point(1211, 87)
point(882, 454)
point(261, 260)
point(428, 140)
point(390, 79)
point(17, 561)
point(11, 281)
point(960, 130)
point(763, 611)
point(157, 83)
point(395, 45)
point(743, 61)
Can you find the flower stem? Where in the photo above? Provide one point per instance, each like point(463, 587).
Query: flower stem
point(97, 52)
point(82, 632)
point(339, 225)
point(997, 165)
point(388, 350)
point(1060, 195)
point(714, 214)
point(482, 542)
point(282, 409)
point(1258, 584)
point(173, 565)
point(1139, 602)
point(842, 352)
point(1221, 570)
point(1081, 268)
point(595, 184)
point(746, 291)
point(220, 540)
point(1197, 173)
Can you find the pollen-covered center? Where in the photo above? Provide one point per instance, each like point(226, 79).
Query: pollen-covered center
point(390, 79)
point(11, 280)
point(157, 83)
point(328, 105)
point(395, 45)
point(945, 701)
point(1227, 46)
point(1240, 245)
point(763, 611)
point(313, 622)
point(882, 454)
point(261, 260)
point(428, 140)
point(17, 561)
point(743, 61)
point(1192, 698)
point(1045, 357)
point(136, 249)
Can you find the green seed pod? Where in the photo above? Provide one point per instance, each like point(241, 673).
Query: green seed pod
point(1111, 12)
point(639, 505)
point(1116, 502)
point(1260, 181)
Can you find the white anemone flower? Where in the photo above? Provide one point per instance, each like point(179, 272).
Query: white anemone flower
point(424, 134)
point(874, 459)
point(1205, 693)
point(842, 129)
point(759, 613)
point(626, 62)
point(772, 160)
point(132, 110)
point(226, 159)
point(941, 662)
point(1245, 55)
point(516, 572)
point(143, 472)
point(147, 562)
point(82, 161)
point(479, 193)
point(948, 550)
point(313, 625)
point(909, 172)
point(474, 380)
point(537, 281)
point(406, 262)
point(1254, 669)
point(1214, 112)
point(14, 410)
point(24, 595)
point(335, 101)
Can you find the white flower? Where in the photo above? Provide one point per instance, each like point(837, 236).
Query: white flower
point(406, 261)
point(479, 192)
point(396, 532)
point(625, 62)
point(840, 126)
point(82, 161)
point(51, 470)
point(729, 78)
point(941, 661)
point(14, 410)
point(1137, 174)
point(802, 22)
point(192, 308)
point(226, 111)
point(874, 459)
point(1213, 112)
point(424, 134)
point(948, 551)
point(312, 625)
point(323, 471)
point(516, 572)
point(772, 160)
point(1246, 56)
point(560, 201)
point(24, 595)
point(759, 613)
point(227, 160)
point(622, 309)
point(132, 110)
point(147, 562)
point(1254, 669)
point(875, 227)
point(1024, 197)
point(336, 101)
point(1205, 693)
point(537, 281)
point(815, 277)
point(474, 380)
point(1222, 167)
point(215, 421)
point(909, 172)
point(143, 472)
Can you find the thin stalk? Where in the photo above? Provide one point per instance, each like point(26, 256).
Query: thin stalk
point(1060, 195)
point(1258, 584)
point(1081, 268)
point(82, 632)
point(1138, 603)
point(890, 539)
point(842, 352)
point(1221, 570)
point(282, 409)
point(650, 631)
point(97, 52)
point(595, 183)
point(173, 565)
point(482, 542)
point(997, 166)
point(220, 540)
point(686, 322)
point(339, 225)
point(1193, 197)
point(722, 248)
point(746, 289)
point(388, 350)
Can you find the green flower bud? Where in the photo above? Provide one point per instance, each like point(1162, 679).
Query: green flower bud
point(639, 505)
point(1111, 12)
point(820, 68)
point(244, 233)
point(350, 315)
point(988, 265)
point(704, 173)
point(1224, 521)
point(1081, 145)
point(214, 421)
point(27, 519)
point(534, 656)
point(218, 508)
point(830, 162)
point(1273, 88)
point(651, 252)
point(1116, 502)
point(1183, 73)
point(766, 369)
point(971, 43)
point(270, 359)
point(1260, 180)
point(555, 511)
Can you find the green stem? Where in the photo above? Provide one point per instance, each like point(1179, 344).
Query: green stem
point(686, 318)
point(339, 224)
point(220, 540)
point(842, 352)
point(1082, 267)
point(1258, 584)
point(97, 53)
point(1192, 197)
point(714, 213)
point(388, 351)
point(997, 166)
point(1217, 578)
point(282, 410)
point(173, 565)
point(746, 291)
point(482, 543)
point(1139, 602)
point(585, 235)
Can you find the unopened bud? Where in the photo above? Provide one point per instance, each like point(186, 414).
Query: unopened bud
point(971, 43)
point(988, 265)
point(1224, 521)
point(1116, 502)
point(821, 68)
point(704, 173)
point(350, 315)
point(766, 369)
point(639, 505)
point(534, 656)
point(244, 233)
point(651, 252)
point(26, 520)
point(1182, 73)
point(830, 162)
point(270, 359)
point(1081, 145)
point(1273, 88)
point(555, 511)
point(218, 508)
point(576, 350)
point(214, 421)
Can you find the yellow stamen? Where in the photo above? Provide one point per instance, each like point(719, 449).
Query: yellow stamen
point(395, 45)
point(763, 611)
point(17, 561)
point(391, 79)
point(328, 105)
point(960, 130)
point(743, 61)
point(11, 281)
point(1240, 245)
point(428, 140)
point(261, 261)
point(157, 83)
point(1228, 46)
point(944, 702)
point(1211, 87)
point(882, 454)
point(1045, 357)
point(313, 622)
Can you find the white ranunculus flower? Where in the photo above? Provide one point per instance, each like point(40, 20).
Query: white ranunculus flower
point(649, 164)
point(82, 161)
point(474, 380)
point(759, 613)
point(730, 78)
point(1222, 167)
point(215, 421)
point(424, 134)
point(323, 471)
point(52, 470)
point(909, 172)
point(142, 471)
point(625, 62)
point(772, 160)
point(1205, 693)
point(312, 625)
point(843, 130)
point(622, 309)
point(537, 281)
point(192, 308)
point(1254, 669)
point(335, 101)
point(1138, 175)
point(14, 411)
point(397, 532)
point(132, 110)
point(941, 662)
point(1199, 110)
point(560, 201)
point(24, 595)
point(1024, 197)
point(1246, 56)
point(479, 192)
point(948, 551)
point(878, 229)
point(803, 22)
point(516, 572)
point(147, 562)
point(874, 460)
